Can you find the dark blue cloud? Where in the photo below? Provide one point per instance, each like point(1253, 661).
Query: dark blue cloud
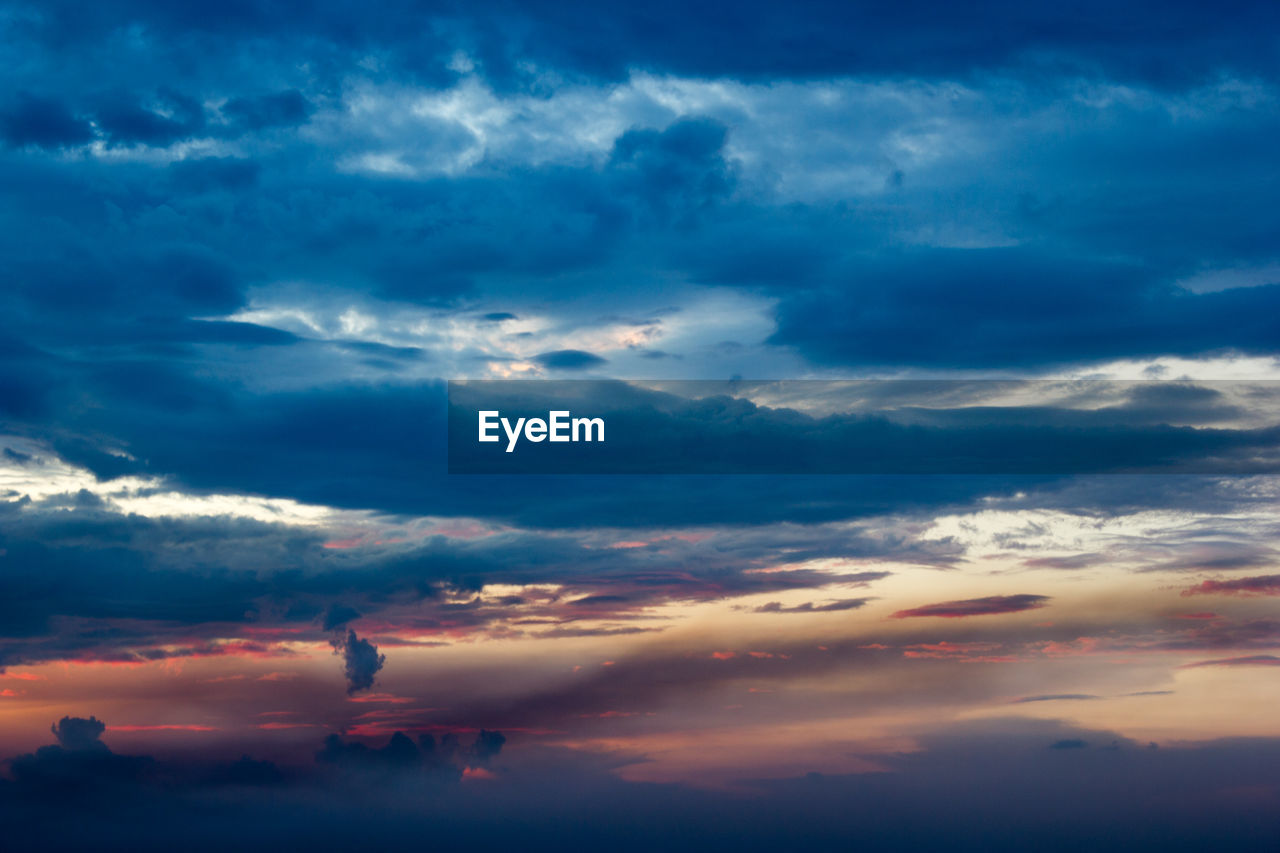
point(205, 174)
point(715, 432)
point(42, 122)
point(257, 112)
point(1019, 307)
point(160, 120)
point(84, 582)
point(339, 615)
point(569, 359)
point(384, 449)
point(80, 767)
point(1163, 43)
point(677, 171)
point(1113, 216)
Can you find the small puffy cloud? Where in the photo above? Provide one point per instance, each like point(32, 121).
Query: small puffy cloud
point(487, 746)
point(361, 661)
point(447, 758)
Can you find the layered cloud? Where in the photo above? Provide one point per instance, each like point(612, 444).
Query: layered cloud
point(1261, 585)
point(399, 792)
point(245, 245)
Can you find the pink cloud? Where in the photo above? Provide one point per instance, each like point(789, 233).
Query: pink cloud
point(278, 676)
point(166, 727)
point(388, 698)
point(1261, 585)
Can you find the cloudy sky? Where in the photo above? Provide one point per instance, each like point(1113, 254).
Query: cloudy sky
point(246, 244)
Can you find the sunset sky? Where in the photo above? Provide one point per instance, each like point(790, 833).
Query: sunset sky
point(246, 245)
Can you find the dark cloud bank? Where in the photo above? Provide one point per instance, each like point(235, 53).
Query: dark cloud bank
point(998, 785)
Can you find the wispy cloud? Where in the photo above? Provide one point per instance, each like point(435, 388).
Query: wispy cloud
point(989, 606)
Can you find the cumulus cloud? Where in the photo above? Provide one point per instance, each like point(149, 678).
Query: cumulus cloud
point(360, 661)
point(80, 765)
point(77, 733)
point(487, 746)
point(445, 758)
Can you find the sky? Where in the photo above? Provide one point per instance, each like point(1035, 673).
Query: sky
point(246, 245)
